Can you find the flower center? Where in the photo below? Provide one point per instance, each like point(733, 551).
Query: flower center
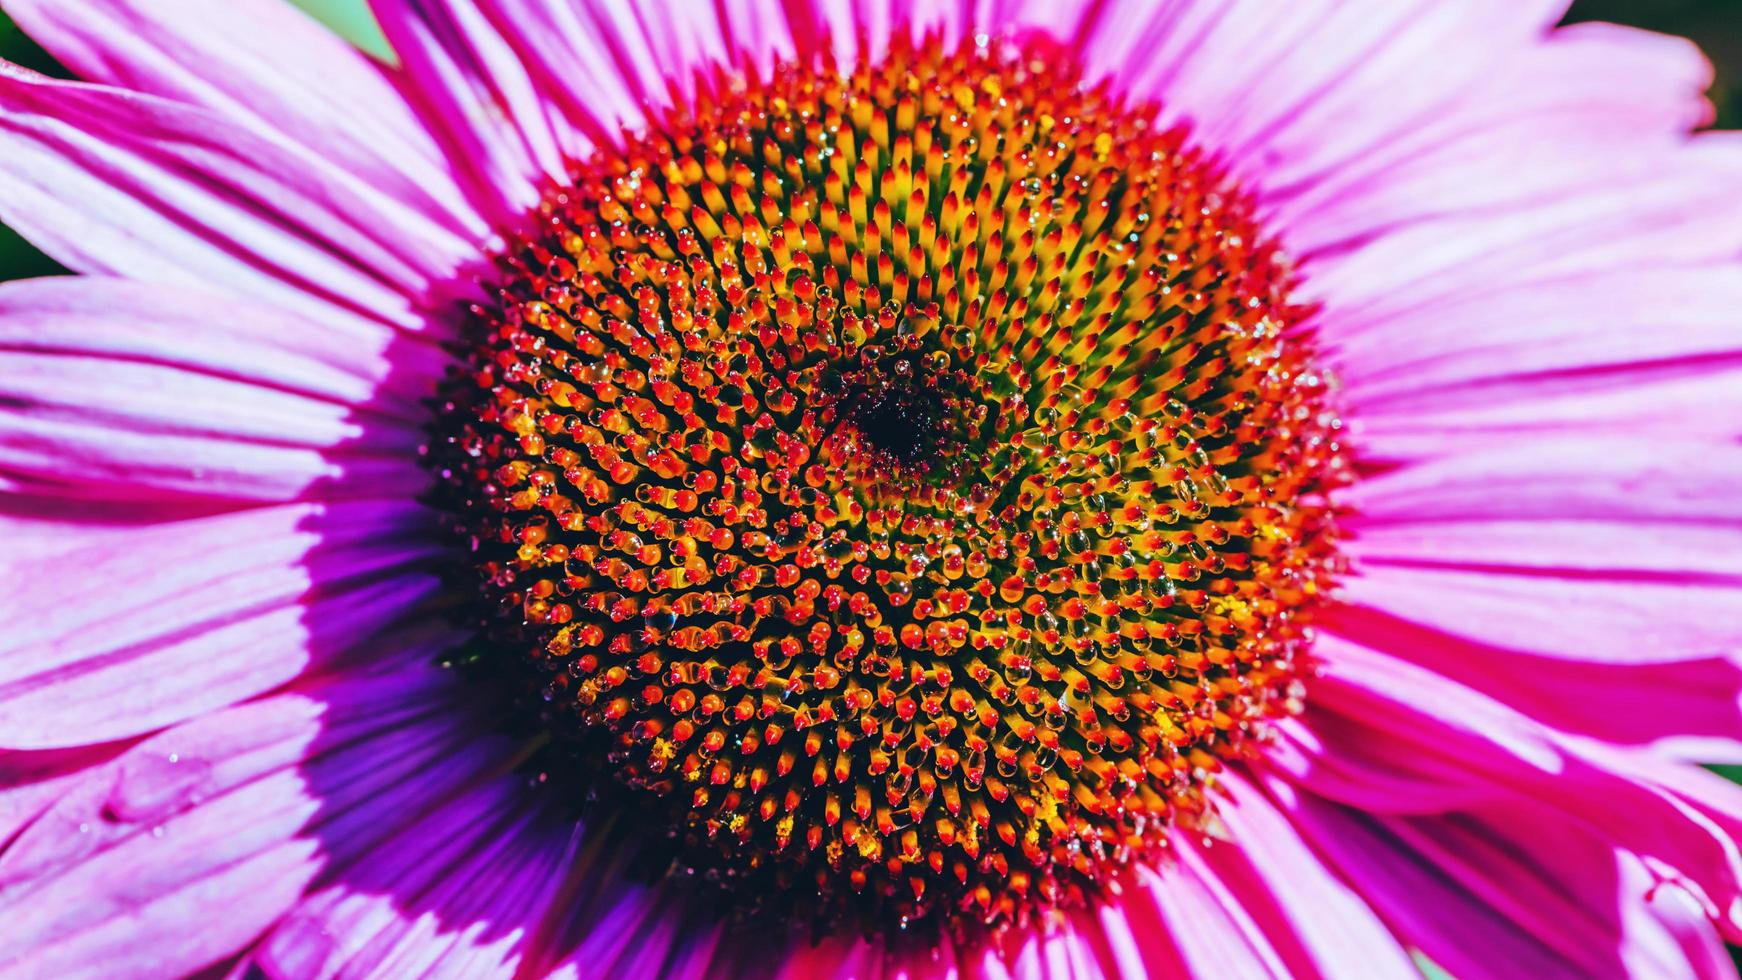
point(909, 483)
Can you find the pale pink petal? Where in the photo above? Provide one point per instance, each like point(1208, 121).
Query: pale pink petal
point(122, 390)
point(30, 782)
point(1589, 104)
point(1668, 934)
point(113, 182)
point(611, 66)
point(1287, 92)
point(1680, 400)
point(167, 428)
point(1581, 549)
point(124, 632)
point(269, 66)
point(1677, 215)
point(340, 359)
point(1571, 478)
point(1476, 350)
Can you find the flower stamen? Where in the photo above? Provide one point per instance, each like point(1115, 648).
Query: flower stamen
point(916, 475)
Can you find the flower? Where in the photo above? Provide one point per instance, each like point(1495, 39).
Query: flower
point(1007, 489)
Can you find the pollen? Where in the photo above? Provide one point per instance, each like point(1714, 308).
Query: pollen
point(909, 485)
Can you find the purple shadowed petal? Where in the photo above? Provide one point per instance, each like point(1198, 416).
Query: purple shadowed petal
point(238, 811)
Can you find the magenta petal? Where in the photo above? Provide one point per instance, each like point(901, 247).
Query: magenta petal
point(269, 67)
point(1187, 907)
point(114, 182)
point(1390, 737)
point(1696, 702)
point(1329, 928)
point(473, 93)
point(1536, 928)
point(1599, 618)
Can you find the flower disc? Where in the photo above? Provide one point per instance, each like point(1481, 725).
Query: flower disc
point(913, 478)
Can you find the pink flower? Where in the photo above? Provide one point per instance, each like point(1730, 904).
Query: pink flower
point(228, 743)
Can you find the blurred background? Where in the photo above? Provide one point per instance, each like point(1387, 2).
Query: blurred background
point(1715, 24)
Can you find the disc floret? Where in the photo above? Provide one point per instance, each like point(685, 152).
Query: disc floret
point(914, 477)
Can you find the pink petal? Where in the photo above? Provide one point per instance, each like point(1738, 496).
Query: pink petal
point(108, 181)
point(238, 811)
point(458, 892)
point(1389, 737)
point(1590, 103)
point(190, 616)
point(1329, 929)
point(1698, 700)
point(472, 92)
point(122, 390)
point(265, 65)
